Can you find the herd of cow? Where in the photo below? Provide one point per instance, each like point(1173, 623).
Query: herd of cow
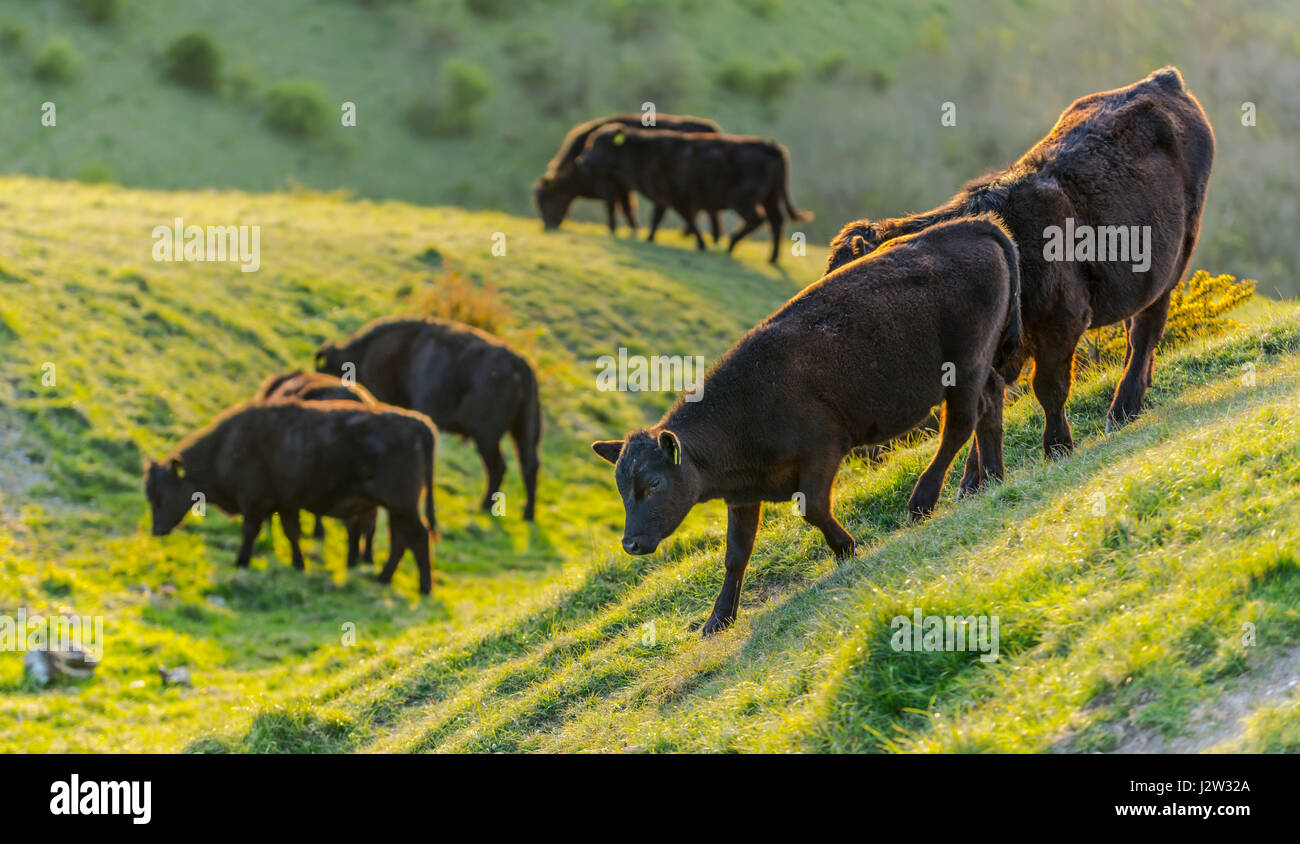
point(939, 308)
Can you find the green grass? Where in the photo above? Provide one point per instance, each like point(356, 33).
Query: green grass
point(854, 89)
point(1115, 626)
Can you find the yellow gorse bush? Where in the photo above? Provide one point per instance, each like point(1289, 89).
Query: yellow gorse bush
point(1197, 308)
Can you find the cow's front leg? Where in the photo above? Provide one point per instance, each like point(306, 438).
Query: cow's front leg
point(816, 477)
point(742, 526)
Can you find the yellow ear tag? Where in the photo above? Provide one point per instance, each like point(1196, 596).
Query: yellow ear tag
point(619, 139)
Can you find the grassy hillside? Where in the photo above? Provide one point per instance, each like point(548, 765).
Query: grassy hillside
point(853, 88)
point(1121, 627)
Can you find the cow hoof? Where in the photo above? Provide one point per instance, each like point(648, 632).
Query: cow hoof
point(845, 552)
point(715, 625)
point(379, 578)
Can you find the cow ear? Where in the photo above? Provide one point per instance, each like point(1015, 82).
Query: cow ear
point(672, 446)
point(859, 246)
point(609, 450)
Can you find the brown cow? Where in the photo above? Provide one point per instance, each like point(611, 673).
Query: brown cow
point(1138, 156)
point(317, 386)
point(563, 182)
point(467, 381)
point(695, 172)
point(854, 359)
point(337, 458)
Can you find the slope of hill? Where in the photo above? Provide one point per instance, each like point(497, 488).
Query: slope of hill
point(1125, 578)
point(853, 88)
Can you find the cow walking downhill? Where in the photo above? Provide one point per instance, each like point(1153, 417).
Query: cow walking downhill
point(1135, 156)
point(855, 359)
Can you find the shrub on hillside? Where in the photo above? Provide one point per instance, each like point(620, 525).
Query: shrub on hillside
point(57, 62)
point(767, 83)
point(467, 85)
point(297, 107)
point(455, 297)
point(632, 18)
point(489, 9)
point(194, 60)
point(1197, 309)
point(12, 35)
point(101, 11)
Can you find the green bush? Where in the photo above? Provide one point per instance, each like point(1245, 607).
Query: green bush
point(490, 9)
point(57, 61)
point(12, 35)
point(94, 173)
point(101, 11)
point(629, 18)
point(765, 84)
point(467, 86)
point(298, 107)
point(194, 60)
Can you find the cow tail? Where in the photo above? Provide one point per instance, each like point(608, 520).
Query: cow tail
point(431, 445)
point(531, 412)
point(794, 213)
point(1013, 333)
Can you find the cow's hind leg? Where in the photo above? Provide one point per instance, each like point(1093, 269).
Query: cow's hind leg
point(629, 209)
point(489, 449)
point(715, 226)
point(985, 458)
point(318, 532)
point(750, 220)
point(742, 526)
point(251, 527)
point(655, 219)
point(775, 220)
point(293, 532)
point(409, 532)
point(354, 542)
point(1053, 371)
point(368, 532)
point(960, 411)
point(397, 539)
point(1144, 333)
point(526, 450)
point(692, 228)
point(816, 478)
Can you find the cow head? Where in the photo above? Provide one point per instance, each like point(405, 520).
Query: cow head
point(170, 494)
point(329, 359)
point(553, 194)
point(658, 483)
point(854, 240)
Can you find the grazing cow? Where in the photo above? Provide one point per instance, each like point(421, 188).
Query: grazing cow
point(337, 458)
point(317, 386)
point(467, 381)
point(1138, 157)
point(694, 172)
point(854, 359)
point(563, 182)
